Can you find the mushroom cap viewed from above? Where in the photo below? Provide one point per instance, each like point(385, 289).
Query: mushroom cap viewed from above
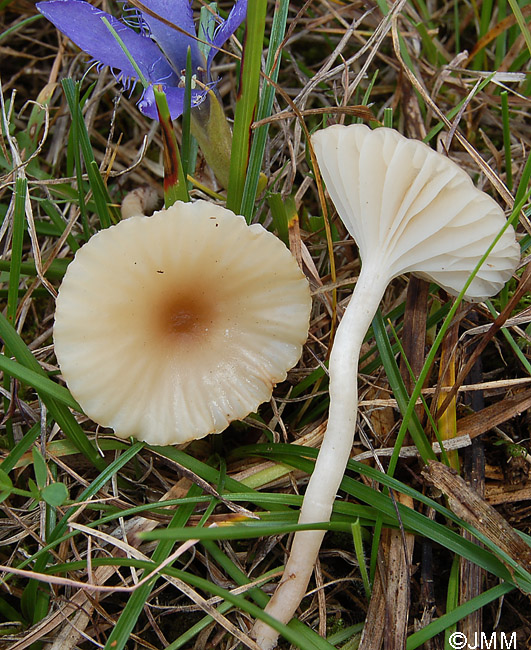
point(413, 209)
point(169, 327)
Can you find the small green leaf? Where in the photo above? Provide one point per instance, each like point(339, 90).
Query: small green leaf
point(55, 494)
point(4, 494)
point(5, 482)
point(34, 490)
point(39, 467)
point(357, 537)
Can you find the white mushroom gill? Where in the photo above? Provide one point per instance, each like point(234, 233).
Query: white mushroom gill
point(408, 209)
point(169, 327)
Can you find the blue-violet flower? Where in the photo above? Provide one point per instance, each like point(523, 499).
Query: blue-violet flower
point(158, 49)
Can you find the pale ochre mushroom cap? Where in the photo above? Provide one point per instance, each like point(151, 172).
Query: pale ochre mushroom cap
point(169, 327)
point(410, 208)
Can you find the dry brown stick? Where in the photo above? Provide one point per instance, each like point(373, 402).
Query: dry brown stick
point(466, 503)
point(472, 575)
point(356, 111)
point(399, 560)
point(401, 544)
point(373, 630)
point(492, 416)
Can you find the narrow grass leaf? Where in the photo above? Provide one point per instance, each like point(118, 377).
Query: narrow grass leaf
point(510, 340)
point(42, 557)
point(454, 111)
point(19, 212)
point(106, 212)
point(246, 102)
point(507, 140)
point(300, 639)
point(11, 460)
point(265, 106)
point(412, 520)
point(39, 381)
point(280, 213)
point(58, 222)
point(209, 473)
point(129, 616)
point(452, 596)
point(186, 142)
point(56, 270)
point(523, 185)
point(360, 556)
point(58, 410)
point(399, 391)
point(515, 8)
point(451, 618)
point(175, 186)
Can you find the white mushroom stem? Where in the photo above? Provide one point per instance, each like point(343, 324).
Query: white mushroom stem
point(409, 209)
point(335, 449)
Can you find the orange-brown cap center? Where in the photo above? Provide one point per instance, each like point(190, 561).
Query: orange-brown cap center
point(185, 316)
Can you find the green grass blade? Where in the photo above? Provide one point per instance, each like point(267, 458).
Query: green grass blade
point(525, 179)
point(510, 340)
point(399, 391)
point(246, 103)
point(451, 618)
point(106, 212)
point(129, 616)
point(302, 641)
point(56, 270)
point(412, 520)
point(39, 381)
point(19, 212)
point(58, 411)
point(208, 473)
point(20, 449)
point(507, 140)
point(265, 106)
point(452, 595)
point(360, 556)
point(515, 8)
point(186, 146)
point(444, 328)
point(175, 185)
point(58, 534)
point(42, 558)
point(58, 222)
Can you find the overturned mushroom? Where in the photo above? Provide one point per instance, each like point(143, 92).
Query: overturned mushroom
point(169, 327)
point(409, 209)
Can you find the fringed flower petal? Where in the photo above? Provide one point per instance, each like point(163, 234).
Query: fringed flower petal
point(227, 28)
point(175, 99)
point(173, 42)
point(83, 24)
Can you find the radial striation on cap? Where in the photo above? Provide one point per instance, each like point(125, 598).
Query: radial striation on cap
point(169, 327)
point(413, 209)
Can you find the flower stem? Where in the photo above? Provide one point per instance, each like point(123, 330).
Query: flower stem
point(335, 449)
point(175, 186)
